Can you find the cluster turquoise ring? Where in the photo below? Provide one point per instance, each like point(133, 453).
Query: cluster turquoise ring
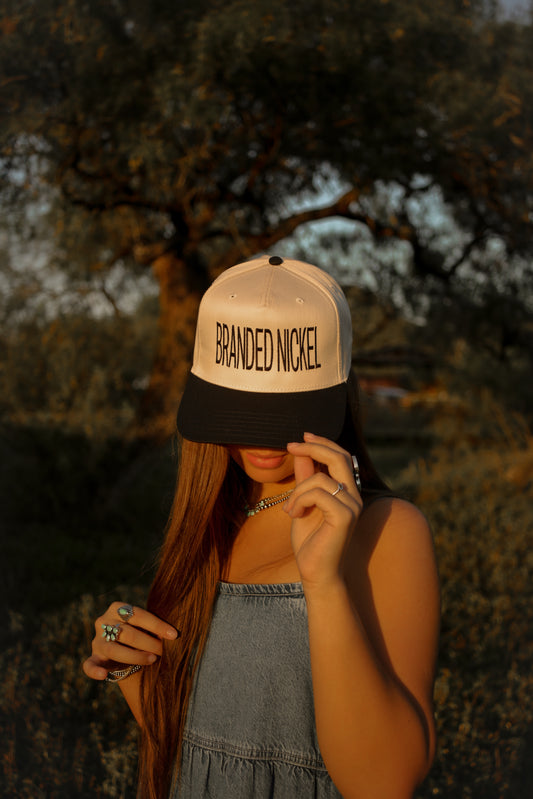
point(111, 631)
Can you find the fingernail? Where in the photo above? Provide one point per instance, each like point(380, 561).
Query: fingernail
point(152, 658)
point(171, 633)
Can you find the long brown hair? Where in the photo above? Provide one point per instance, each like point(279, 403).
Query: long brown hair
point(205, 516)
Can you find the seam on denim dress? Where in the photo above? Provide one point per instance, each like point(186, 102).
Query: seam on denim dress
point(261, 589)
point(254, 753)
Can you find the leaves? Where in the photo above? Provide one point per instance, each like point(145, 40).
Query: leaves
point(483, 694)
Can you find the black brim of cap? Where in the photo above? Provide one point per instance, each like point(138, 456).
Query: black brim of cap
point(212, 414)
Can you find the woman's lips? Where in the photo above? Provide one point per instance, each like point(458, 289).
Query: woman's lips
point(265, 461)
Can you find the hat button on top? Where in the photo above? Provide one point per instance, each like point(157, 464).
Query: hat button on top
point(275, 260)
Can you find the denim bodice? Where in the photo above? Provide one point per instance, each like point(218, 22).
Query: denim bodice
point(250, 730)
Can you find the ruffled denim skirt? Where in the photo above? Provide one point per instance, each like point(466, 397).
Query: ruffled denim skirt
point(250, 731)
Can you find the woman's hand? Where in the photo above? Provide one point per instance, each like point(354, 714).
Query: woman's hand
point(323, 522)
point(139, 641)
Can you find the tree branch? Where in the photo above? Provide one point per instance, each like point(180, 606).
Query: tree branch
point(464, 255)
point(248, 245)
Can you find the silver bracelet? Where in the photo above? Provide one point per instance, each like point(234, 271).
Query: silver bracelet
point(120, 674)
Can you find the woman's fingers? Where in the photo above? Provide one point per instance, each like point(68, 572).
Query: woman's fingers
point(142, 619)
point(304, 467)
point(320, 450)
point(329, 487)
point(95, 668)
point(132, 636)
point(126, 636)
point(120, 653)
point(141, 635)
point(342, 506)
point(324, 508)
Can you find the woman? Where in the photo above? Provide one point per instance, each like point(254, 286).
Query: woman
point(306, 595)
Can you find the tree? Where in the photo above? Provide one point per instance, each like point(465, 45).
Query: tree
point(184, 136)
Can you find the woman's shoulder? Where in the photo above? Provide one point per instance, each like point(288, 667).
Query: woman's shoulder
point(392, 511)
point(391, 528)
point(393, 579)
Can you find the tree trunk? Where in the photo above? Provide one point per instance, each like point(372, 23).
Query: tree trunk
point(180, 291)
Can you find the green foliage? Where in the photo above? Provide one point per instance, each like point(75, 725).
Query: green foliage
point(479, 504)
point(75, 371)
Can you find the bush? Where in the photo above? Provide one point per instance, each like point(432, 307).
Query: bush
point(64, 736)
point(480, 506)
point(75, 372)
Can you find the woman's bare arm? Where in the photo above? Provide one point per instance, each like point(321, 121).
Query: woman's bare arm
point(373, 650)
point(372, 595)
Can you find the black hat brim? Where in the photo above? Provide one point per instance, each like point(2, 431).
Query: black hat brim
point(212, 414)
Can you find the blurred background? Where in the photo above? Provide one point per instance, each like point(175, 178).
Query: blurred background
point(145, 147)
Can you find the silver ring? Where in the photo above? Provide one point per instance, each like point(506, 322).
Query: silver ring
point(111, 631)
point(125, 612)
point(339, 488)
point(356, 475)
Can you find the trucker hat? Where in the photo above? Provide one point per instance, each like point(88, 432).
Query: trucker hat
point(272, 356)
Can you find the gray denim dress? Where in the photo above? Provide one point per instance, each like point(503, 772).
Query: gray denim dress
point(250, 731)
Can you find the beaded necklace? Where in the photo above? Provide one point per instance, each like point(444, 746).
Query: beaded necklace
point(267, 502)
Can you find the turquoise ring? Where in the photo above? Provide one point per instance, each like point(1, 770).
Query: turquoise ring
point(111, 631)
point(125, 612)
